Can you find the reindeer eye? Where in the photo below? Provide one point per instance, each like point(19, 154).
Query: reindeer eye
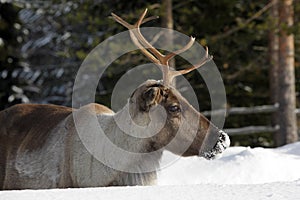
point(174, 109)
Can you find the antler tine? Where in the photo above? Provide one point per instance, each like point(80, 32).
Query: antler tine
point(142, 39)
point(146, 48)
point(179, 51)
point(139, 22)
point(139, 39)
point(130, 27)
point(121, 21)
point(204, 60)
point(144, 51)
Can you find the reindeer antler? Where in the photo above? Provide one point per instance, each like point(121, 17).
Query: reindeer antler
point(154, 55)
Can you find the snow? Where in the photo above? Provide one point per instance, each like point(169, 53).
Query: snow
point(280, 191)
point(241, 173)
point(238, 165)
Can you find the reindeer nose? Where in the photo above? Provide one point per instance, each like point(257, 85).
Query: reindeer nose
point(223, 142)
point(224, 138)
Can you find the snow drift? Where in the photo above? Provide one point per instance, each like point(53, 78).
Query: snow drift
point(238, 165)
point(242, 173)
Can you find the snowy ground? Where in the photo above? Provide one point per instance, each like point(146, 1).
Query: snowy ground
point(238, 165)
point(242, 173)
point(277, 191)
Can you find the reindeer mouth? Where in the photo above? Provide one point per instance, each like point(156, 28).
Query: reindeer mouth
point(223, 143)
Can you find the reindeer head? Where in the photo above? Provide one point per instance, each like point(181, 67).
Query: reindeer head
point(185, 131)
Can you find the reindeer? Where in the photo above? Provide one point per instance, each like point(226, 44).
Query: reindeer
point(41, 147)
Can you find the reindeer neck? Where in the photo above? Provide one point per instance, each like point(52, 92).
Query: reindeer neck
point(129, 134)
point(122, 139)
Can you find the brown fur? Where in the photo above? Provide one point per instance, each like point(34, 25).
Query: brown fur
point(26, 127)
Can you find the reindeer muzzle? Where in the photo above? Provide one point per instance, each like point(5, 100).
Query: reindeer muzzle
point(212, 149)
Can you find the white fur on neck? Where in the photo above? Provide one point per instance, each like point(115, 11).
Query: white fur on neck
point(100, 174)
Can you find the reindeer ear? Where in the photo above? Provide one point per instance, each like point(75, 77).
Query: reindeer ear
point(150, 97)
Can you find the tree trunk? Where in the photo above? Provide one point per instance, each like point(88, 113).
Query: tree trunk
point(167, 22)
point(286, 76)
point(274, 61)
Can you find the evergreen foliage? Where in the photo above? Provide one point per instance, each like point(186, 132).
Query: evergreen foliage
point(61, 33)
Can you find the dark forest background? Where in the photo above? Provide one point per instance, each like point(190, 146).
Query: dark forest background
point(43, 43)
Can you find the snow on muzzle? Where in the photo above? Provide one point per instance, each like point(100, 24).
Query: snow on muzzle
point(214, 145)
